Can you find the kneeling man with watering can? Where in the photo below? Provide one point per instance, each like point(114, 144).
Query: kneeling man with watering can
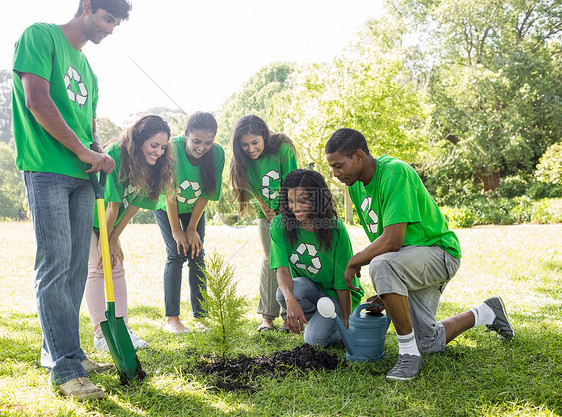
point(412, 255)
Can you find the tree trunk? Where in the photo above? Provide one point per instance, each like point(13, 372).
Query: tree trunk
point(348, 207)
point(489, 181)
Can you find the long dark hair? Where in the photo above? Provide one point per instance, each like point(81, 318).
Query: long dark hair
point(322, 206)
point(204, 122)
point(253, 125)
point(148, 180)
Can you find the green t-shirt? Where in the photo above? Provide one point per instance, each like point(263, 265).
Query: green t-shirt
point(187, 177)
point(121, 191)
point(44, 51)
point(307, 259)
point(266, 174)
point(396, 194)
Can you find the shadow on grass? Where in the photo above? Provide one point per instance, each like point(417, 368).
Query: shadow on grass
point(478, 374)
point(166, 400)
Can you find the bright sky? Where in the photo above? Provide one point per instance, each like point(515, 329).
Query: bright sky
point(199, 52)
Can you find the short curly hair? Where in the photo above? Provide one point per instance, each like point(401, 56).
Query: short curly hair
point(347, 142)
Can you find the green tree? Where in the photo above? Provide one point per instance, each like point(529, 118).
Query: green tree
point(225, 307)
point(5, 106)
point(495, 84)
point(12, 192)
point(549, 169)
point(107, 130)
point(261, 95)
point(177, 119)
point(369, 88)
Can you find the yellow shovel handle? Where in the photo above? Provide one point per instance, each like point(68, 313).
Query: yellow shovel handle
point(104, 242)
point(104, 239)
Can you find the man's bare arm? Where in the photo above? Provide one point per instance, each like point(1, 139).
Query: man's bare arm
point(39, 102)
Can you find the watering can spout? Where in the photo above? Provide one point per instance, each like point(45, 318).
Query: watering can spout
point(327, 309)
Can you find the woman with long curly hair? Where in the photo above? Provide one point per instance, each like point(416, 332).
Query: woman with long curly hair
point(143, 171)
point(199, 162)
point(260, 162)
point(310, 249)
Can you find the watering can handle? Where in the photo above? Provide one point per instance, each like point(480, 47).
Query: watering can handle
point(362, 307)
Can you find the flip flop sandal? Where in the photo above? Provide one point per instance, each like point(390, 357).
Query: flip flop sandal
point(283, 329)
point(264, 328)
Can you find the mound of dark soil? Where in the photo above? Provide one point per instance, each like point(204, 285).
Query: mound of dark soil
point(236, 373)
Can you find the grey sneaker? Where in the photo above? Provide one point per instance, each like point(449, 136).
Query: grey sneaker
point(81, 388)
point(100, 368)
point(101, 344)
point(138, 343)
point(501, 323)
point(407, 367)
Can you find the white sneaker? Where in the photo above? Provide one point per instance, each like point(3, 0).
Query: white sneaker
point(81, 388)
point(138, 343)
point(100, 344)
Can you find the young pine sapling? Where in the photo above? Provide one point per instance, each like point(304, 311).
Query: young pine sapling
point(225, 308)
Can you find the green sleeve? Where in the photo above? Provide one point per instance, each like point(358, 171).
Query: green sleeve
point(278, 254)
point(287, 159)
point(114, 189)
point(399, 202)
point(34, 53)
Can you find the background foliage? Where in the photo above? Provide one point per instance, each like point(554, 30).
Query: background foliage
point(468, 93)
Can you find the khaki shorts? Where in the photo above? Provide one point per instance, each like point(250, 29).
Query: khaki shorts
point(421, 274)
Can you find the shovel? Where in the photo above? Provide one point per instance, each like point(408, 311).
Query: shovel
point(114, 329)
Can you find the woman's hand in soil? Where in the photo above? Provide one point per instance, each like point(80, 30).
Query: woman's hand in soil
point(295, 317)
point(181, 241)
point(194, 244)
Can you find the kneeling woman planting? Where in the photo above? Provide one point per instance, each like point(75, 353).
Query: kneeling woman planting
point(310, 248)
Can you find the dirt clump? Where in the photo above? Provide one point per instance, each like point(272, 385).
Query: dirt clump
point(239, 372)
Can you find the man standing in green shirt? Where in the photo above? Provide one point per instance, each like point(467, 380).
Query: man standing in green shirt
point(55, 95)
point(412, 255)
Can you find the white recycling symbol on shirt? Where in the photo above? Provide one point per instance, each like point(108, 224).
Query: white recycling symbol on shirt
point(186, 185)
point(266, 182)
point(303, 248)
point(369, 214)
point(129, 189)
point(81, 96)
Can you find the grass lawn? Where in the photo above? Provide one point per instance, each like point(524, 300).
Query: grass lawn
point(478, 375)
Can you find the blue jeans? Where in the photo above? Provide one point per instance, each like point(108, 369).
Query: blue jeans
point(62, 210)
point(320, 330)
point(174, 267)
